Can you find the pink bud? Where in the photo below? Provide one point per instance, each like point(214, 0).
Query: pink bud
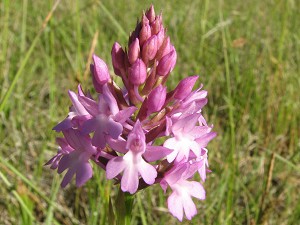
point(164, 49)
point(149, 49)
point(185, 87)
point(145, 20)
point(167, 63)
point(133, 51)
point(138, 72)
point(145, 34)
point(160, 38)
point(118, 56)
point(151, 14)
point(156, 99)
point(101, 73)
point(156, 25)
point(97, 86)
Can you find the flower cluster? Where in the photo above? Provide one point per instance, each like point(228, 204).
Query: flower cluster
point(140, 134)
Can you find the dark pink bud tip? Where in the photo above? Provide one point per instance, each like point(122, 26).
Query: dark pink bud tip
point(167, 63)
point(118, 56)
point(101, 73)
point(185, 87)
point(138, 72)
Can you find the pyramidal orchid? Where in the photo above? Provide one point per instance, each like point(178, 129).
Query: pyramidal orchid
point(141, 133)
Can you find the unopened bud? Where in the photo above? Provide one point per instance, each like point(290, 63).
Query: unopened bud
point(101, 73)
point(118, 56)
point(150, 14)
point(134, 51)
point(160, 38)
point(167, 63)
point(138, 72)
point(149, 49)
point(185, 87)
point(145, 33)
point(156, 99)
point(164, 49)
point(156, 25)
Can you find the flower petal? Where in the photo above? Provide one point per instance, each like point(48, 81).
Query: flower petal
point(67, 177)
point(154, 153)
point(189, 207)
point(124, 114)
point(147, 171)
point(98, 139)
point(117, 145)
point(63, 125)
point(196, 190)
point(89, 104)
point(175, 206)
point(130, 179)
point(89, 126)
point(203, 140)
point(84, 172)
point(114, 167)
point(77, 104)
point(114, 128)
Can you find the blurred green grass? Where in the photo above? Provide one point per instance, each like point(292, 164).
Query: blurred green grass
point(248, 56)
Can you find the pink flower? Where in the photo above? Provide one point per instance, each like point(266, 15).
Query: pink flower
point(133, 163)
point(188, 139)
point(183, 190)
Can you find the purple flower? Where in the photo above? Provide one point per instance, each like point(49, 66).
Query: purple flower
point(183, 190)
point(76, 158)
point(132, 163)
point(107, 118)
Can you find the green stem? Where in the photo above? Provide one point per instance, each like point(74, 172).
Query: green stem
point(124, 206)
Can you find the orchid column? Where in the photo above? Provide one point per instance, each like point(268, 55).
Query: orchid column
point(118, 130)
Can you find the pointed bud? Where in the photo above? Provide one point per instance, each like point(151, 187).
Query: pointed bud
point(145, 34)
point(185, 87)
point(133, 51)
point(167, 63)
point(156, 99)
point(151, 14)
point(160, 38)
point(145, 20)
point(118, 56)
point(100, 74)
point(156, 25)
point(97, 86)
point(138, 72)
point(149, 49)
point(135, 33)
point(164, 49)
